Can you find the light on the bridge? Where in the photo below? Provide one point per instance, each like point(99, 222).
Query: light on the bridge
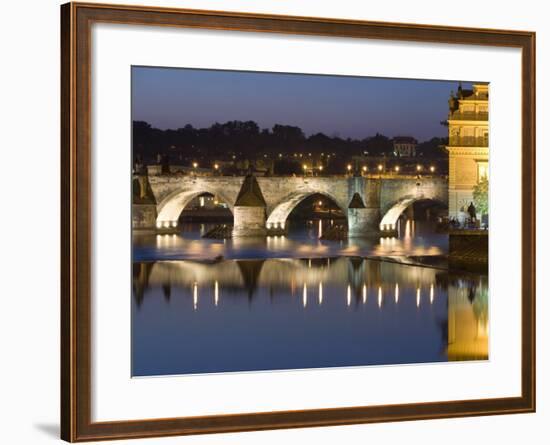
point(280, 155)
point(418, 168)
point(201, 201)
point(364, 168)
point(159, 224)
point(396, 293)
point(417, 297)
point(304, 295)
point(349, 167)
point(216, 293)
point(431, 293)
point(397, 168)
point(216, 166)
point(320, 168)
point(304, 167)
point(195, 296)
point(195, 165)
point(380, 167)
point(364, 293)
point(379, 296)
point(174, 223)
point(348, 298)
point(432, 168)
point(320, 293)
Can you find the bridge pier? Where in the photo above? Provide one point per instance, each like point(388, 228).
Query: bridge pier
point(249, 221)
point(144, 206)
point(249, 212)
point(144, 217)
point(364, 218)
point(363, 222)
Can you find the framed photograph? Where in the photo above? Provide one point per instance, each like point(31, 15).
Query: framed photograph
point(277, 222)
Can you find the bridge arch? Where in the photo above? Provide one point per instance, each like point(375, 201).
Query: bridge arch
point(170, 208)
point(278, 216)
point(392, 214)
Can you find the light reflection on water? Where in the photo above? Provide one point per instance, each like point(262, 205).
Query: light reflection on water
point(235, 315)
point(416, 238)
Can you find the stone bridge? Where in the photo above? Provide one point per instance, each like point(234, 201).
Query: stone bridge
point(259, 204)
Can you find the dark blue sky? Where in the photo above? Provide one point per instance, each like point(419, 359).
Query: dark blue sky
point(354, 107)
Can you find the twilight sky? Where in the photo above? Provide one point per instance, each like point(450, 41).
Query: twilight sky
point(354, 107)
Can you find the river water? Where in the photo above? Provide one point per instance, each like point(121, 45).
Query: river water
point(205, 306)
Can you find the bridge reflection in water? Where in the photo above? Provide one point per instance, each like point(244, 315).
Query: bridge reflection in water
point(243, 315)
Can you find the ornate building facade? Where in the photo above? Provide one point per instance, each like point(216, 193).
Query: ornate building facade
point(468, 144)
point(404, 146)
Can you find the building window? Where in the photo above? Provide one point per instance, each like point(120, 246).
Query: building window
point(482, 171)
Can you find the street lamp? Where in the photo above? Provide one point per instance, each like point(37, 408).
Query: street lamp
point(305, 169)
point(364, 168)
point(432, 168)
point(380, 167)
point(349, 167)
point(397, 168)
point(418, 168)
point(195, 165)
point(216, 166)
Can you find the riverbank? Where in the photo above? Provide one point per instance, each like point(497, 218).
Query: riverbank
point(469, 250)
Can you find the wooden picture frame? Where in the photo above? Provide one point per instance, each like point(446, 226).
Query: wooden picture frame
point(76, 221)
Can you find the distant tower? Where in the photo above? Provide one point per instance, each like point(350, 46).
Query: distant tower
point(468, 144)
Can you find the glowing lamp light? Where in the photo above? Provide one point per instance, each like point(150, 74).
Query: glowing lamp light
point(320, 203)
point(432, 168)
point(418, 168)
point(305, 166)
point(216, 166)
point(349, 167)
point(320, 168)
point(364, 168)
point(397, 168)
point(380, 167)
point(195, 165)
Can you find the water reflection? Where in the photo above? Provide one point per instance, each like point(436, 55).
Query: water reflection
point(415, 239)
point(231, 315)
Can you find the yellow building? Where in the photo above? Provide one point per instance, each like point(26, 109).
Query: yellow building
point(468, 322)
point(468, 144)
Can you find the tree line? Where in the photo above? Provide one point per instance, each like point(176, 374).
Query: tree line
point(245, 140)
